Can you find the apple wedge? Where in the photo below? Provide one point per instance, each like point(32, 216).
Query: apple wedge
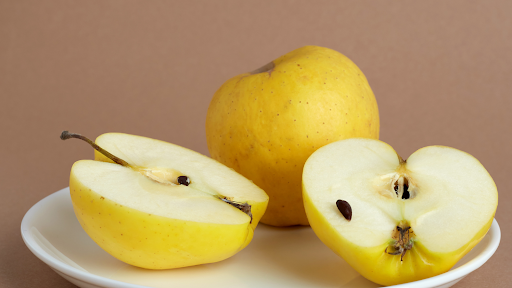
point(157, 205)
point(394, 220)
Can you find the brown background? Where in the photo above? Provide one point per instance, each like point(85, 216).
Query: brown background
point(440, 71)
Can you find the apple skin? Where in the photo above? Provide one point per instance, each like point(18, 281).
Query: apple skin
point(150, 241)
point(265, 125)
point(379, 267)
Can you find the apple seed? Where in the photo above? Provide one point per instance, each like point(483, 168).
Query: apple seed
point(406, 194)
point(403, 183)
point(183, 180)
point(345, 209)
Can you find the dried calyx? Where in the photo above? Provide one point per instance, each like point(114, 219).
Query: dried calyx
point(403, 240)
point(244, 207)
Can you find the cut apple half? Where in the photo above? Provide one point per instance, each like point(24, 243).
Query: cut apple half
point(409, 219)
point(157, 205)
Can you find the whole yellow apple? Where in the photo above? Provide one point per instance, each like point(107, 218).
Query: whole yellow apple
point(266, 123)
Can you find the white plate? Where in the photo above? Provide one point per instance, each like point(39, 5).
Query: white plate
point(276, 257)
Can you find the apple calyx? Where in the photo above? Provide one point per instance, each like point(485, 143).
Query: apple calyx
point(164, 176)
point(244, 207)
point(403, 240)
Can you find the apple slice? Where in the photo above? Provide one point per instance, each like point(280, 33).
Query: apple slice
point(157, 205)
point(397, 221)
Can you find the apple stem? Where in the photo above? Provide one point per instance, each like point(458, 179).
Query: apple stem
point(66, 135)
point(266, 68)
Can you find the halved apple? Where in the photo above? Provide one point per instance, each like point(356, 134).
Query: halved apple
point(394, 220)
point(157, 205)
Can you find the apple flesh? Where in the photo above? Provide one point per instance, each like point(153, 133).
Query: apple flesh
point(410, 219)
point(164, 206)
point(266, 123)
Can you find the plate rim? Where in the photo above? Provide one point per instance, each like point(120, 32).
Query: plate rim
point(56, 263)
point(453, 275)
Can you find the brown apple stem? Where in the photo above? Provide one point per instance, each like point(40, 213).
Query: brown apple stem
point(66, 135)
point(266, 68)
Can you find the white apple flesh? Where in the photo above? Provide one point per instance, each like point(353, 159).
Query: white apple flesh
point(410, 219)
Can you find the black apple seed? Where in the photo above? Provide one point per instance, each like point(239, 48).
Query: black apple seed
point(183, 180)
point(345, 209)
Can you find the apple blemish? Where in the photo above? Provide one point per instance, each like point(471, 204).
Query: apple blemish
point(345, 209)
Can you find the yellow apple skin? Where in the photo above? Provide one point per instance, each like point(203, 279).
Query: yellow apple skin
point(380, 267)
point(265, 125)
point(155, 242)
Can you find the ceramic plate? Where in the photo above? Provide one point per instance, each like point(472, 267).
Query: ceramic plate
point(276, 257)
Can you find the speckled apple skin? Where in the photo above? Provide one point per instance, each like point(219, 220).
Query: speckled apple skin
point(265, 125)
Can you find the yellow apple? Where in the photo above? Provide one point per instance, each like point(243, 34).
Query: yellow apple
point(394, 220)
point(165, 206)
point(266, 123)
